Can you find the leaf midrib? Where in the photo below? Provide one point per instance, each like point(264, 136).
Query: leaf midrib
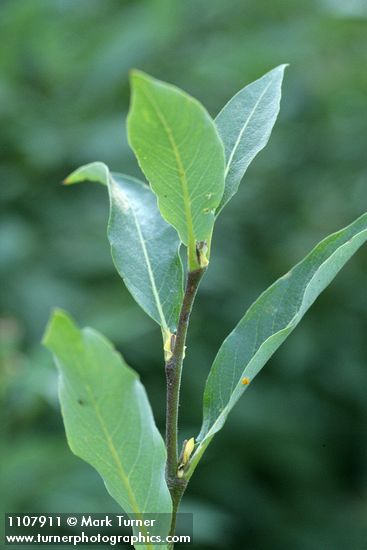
point(150, 271)
point(243, 129)
point(155, 292)
point(289, 326)
point(180, 167)
point(119, 466)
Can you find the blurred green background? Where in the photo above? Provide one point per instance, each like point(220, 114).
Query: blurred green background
point(289, 471)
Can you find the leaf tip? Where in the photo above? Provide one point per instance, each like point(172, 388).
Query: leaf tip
point(279, 71)
point(58, 324)
point(67, 180)
point(57, 315)
point(136, 75)
point(94, 171)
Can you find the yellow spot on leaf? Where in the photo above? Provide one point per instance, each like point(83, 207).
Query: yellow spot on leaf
point(245, 381)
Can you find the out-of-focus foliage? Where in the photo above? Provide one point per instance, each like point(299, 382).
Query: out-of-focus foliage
point(290, 469)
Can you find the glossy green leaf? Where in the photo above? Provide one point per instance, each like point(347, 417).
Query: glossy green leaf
point(245, 124)
point(267, 324)
point(107, 417)
point(179, 150)
point(144, 247)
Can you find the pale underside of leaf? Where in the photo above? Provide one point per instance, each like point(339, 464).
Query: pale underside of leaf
point(245, 124)
point(145, 249)
point(108, 419)
point(267, 324)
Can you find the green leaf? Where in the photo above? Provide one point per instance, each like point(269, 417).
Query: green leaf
point(107, 417)
point(245, 124)
point(179, 150)
point(267, 324)
point(144, 247)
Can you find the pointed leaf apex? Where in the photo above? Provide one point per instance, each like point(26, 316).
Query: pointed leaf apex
point(94, 171)
point(245, 124)
point(58, 318)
